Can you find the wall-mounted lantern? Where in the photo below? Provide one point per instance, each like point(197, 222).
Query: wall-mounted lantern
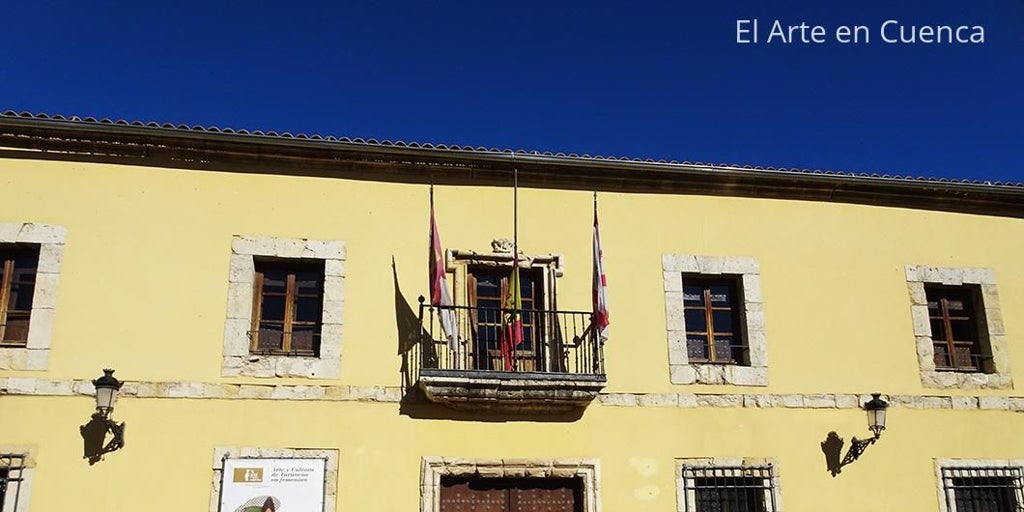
point(876, 414)
point(106, 392)
point(95, 432)
point(875, 409)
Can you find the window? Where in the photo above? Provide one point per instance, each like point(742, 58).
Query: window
point(30, 261)
point(982, 489)
point(553, 340)
point(958, 328)
point(956, 337)
point(714, 320)
point(18, 264)
point(14, 480)
point(722, 487)
point(487, 290)
point(287, 305)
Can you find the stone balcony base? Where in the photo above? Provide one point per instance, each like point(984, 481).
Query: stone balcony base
point(510, 392)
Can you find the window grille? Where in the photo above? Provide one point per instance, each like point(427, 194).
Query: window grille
point(729, 489)
point(986, 489)
point(11, 467)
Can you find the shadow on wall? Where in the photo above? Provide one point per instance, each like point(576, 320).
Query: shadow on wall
point(832, 447)
point(409, 331)
point(94, 438)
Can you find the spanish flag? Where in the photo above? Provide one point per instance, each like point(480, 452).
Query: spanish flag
point(512, 320)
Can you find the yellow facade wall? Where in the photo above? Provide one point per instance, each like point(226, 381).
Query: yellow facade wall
point(167, 462)
point(143, 289)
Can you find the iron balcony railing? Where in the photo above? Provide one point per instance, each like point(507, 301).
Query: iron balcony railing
point(552, 342)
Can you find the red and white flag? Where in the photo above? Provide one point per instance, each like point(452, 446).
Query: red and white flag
point(439, 294)
point(600, 292)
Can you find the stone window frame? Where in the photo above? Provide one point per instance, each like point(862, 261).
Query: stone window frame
point(237, 361)
point(458, 262)
point(35, 355)
point(28, 470)
point(747, 270)
point(947, 463)
point(222, 453)
point(917, 277)
point(724, 462)
point(433, 468)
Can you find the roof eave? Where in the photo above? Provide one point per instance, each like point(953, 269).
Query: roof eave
point(75, 138)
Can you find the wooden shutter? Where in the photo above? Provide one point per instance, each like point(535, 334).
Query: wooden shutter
point(257, 307)
point(471, 296)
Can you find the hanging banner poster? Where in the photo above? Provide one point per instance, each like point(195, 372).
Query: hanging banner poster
point(273, 485)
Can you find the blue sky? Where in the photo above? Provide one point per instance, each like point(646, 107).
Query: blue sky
point(659, 80)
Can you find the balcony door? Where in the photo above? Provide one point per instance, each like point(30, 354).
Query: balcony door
point(487, 289)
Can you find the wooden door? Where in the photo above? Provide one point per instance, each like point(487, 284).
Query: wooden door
point(476, 494)
point(488, 288)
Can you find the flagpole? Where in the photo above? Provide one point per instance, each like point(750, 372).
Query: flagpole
point(515, 214)
point(431, 227)
point(515, 257)
point(600, 306)
point(433, 258)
